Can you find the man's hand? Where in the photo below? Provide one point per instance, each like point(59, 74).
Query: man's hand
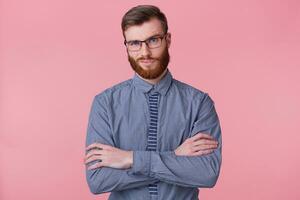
point(108, 156)
point(199, 144)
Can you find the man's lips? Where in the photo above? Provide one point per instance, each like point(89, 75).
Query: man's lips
point(147, 61)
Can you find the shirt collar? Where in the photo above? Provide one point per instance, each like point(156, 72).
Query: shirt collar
point(162, 86)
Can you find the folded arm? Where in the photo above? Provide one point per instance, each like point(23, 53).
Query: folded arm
point(106, 179)
point(149, 166)
point(188, 171)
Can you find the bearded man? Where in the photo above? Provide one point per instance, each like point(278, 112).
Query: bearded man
point(151, 136)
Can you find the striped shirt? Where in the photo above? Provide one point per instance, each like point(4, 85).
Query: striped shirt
point(124, 116)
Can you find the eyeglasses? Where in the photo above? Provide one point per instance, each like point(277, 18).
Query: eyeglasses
point(152, 43)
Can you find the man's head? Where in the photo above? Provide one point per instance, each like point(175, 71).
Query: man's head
point(147, 23)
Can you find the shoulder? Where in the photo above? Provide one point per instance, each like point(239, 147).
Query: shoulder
point(114, 90)
point(189, 90)
point(199, 100)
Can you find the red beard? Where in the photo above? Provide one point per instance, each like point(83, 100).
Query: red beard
point(163, 62)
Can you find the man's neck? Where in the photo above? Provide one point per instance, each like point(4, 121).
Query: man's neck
point(156, 80)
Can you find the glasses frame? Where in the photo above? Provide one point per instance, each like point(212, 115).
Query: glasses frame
point(161, 37)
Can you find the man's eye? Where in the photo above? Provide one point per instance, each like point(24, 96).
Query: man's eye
point(134, 43)
point(153, 40)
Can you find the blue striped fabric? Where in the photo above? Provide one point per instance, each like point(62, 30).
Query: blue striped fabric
point(152, 132)
point(121, 124)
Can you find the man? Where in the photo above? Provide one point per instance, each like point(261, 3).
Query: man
point(152, 136)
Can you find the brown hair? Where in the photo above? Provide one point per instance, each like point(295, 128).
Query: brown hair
point(142, 13)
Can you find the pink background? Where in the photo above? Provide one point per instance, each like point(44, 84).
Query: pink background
point(56, 55)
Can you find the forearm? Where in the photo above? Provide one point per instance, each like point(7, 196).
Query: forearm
point(187, 171)
point(107, 179)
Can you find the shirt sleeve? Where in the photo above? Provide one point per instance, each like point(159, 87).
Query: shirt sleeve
point(187, 171)
point(107, 179)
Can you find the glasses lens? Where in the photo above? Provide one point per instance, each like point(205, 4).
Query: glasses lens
point(133, 45)
point(154, 42)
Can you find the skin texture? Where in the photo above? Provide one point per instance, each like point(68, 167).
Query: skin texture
point(152, 72)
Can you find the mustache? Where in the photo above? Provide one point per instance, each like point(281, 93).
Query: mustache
point(146, 58)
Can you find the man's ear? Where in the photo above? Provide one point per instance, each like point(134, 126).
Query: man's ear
point(168, 39)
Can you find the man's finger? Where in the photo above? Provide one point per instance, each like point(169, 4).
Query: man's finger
point(205, 142)
point(202, 152)
point(200, 136)
point(96, 145)
point(204, 147)
point(93, 158)
point(93, 152)
point(95, 166)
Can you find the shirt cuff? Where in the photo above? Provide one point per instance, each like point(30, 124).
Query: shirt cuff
point(141, 162)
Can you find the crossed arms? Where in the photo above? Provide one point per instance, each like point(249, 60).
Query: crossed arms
point(195, 163)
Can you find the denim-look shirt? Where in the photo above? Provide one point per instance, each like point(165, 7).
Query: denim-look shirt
point(119, 117)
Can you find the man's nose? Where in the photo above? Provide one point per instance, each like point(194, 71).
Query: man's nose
point(145, 51)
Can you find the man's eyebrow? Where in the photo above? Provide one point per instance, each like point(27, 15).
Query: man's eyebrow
point(148, 37)
point(154, 36)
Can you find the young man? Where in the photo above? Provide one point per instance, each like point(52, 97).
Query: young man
point(152, 136)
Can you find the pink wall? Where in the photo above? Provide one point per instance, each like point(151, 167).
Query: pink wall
point(56, 55)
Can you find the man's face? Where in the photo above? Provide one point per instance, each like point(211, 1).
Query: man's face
point(148, 63)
